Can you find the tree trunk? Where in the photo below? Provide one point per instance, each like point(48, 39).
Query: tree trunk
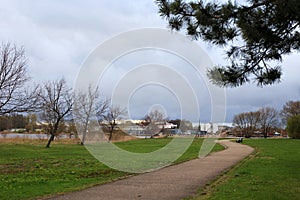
point(84, 134)
point(53, 132)
point(83, 138)
point(82, 141)
point(49, 141)
point(266, 130)
point(110, 135)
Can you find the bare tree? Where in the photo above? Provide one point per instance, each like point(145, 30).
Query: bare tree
point(264, 119)
point(241, 122)
point(155, 121)
point(87, 106)
point(185, 125)
point(268, 119)
point(253, 119)
point(290, 109)
point(13, 77)
point(56, 104)
point(247, 122)
point(109, 118)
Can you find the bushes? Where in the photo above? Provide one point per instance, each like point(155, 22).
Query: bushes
point(293, 127)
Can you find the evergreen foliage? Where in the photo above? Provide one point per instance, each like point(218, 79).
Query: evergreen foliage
point(293, 127)
point(255, 33)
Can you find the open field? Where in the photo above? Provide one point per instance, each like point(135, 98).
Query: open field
point(271, 173)
point(29, 170)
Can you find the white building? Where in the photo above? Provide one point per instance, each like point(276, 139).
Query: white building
point(211, 127)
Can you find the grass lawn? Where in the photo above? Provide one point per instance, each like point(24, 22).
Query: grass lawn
point(273, 172)
point(28, 171)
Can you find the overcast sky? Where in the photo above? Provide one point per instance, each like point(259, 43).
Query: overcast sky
point(58, 35)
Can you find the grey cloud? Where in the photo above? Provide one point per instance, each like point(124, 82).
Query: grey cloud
point(59, 35)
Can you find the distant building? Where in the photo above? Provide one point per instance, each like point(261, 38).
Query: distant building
point(208, 127)
point(134, 130)
point(167, 125)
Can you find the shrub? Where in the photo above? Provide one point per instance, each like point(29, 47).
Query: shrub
point(293, 127)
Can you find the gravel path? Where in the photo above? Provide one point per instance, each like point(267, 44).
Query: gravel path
point(174, 182)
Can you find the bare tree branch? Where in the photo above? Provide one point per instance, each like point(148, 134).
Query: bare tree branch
point(86, 108)
point(155, 121)
point(109, 118)
point(56, 104)
point(13, 77)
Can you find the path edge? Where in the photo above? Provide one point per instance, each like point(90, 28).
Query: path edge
point(204, 192)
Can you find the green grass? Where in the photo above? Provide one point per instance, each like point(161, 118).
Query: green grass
point(273, 172)
point(28, 171)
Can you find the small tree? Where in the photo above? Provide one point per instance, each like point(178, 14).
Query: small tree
point(56, 104)
point(293, 127)
point(71, 129)
point(155, 121)
point(109, 118)
point(87, 106)
point(31, 122)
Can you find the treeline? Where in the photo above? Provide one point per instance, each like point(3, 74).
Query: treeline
point(29, 124)
point(268, 119)
point(16, 121)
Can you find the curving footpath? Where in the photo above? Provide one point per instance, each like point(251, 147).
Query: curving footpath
point(173, 182)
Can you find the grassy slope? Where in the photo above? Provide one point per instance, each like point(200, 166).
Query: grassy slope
point(30, 170)
point(272, 173)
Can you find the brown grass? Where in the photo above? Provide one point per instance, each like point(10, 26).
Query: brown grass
point(38, 141)
point(118, 136)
